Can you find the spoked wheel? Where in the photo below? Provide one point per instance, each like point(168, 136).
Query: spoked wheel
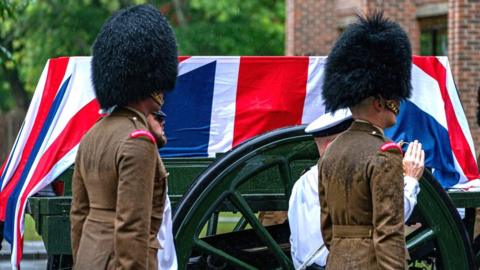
point(258, 176)
point(440, 238)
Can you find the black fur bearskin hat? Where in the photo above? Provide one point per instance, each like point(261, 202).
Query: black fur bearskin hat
point(134, 55)
point(372, 57)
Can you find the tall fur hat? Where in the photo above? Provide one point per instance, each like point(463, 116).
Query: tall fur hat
point(372, 57)
point(134, 55)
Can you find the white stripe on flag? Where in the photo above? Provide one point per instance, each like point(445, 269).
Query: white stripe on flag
point(27, 126)
point(12, 159)
point(64, 163)
point(75, 100)
point(457, 105)
point(50, 136)
point(313, 106)
point(223, 105)
point(192, 63)
point(462, 179)
point(431, 103)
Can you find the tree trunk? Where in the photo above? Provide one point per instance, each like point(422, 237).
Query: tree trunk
point(179, 13)
point(16, 87)
point(10, 123)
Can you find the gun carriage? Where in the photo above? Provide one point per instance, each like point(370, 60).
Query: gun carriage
point(258, 175)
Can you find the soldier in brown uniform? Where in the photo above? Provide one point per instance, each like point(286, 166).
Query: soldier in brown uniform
point(119, 180)
point(360, 174)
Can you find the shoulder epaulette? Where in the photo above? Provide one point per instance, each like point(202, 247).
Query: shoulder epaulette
point(140, 132)
point(389, 146)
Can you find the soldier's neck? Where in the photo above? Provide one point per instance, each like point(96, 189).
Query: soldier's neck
point(371, 123)
point(144, 106)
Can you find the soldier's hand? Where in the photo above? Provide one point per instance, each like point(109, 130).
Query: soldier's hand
point(414, 160)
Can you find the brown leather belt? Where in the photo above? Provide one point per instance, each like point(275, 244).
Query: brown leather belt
point(353, 231)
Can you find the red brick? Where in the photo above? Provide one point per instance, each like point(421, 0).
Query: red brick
point(313, 26)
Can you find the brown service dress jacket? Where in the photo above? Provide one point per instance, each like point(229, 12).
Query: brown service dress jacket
point(361, 198)
point(118, 196)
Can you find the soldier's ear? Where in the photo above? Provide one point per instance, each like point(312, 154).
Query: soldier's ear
point(378, 104)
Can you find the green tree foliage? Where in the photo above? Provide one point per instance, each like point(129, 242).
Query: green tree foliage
point(32, 31)
point(233, 27)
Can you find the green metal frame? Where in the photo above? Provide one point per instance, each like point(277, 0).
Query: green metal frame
point(52, 222)
point(51, 214)
point(469, 200)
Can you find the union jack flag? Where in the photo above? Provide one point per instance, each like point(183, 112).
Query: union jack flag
point(218, 103)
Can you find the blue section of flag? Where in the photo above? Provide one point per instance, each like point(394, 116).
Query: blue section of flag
point(415, 124)
point(14, 197)
point(189, 110)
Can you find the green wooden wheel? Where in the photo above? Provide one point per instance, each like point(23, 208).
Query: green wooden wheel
point(442, 239)
point(258, 175)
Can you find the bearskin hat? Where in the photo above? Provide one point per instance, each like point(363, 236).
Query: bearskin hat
point(134, 55)
point(372, 57)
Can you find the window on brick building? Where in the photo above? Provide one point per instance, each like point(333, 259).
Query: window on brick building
point(433, 36)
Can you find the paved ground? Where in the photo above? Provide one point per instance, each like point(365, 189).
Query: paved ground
point(34, 256)
point(25, 265)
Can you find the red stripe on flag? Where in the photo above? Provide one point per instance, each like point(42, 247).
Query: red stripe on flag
point(4, 164)
point(71, 135)
point(55, 74)
point(270, 94)
point(19, 251)
point(183, 58)
point(460, 147)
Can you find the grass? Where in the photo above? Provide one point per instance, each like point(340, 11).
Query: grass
point(229, 221)
point(223, 227)
point(30, 233)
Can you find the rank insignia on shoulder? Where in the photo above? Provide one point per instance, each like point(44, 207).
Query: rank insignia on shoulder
point(391, 146)
point(140, 132)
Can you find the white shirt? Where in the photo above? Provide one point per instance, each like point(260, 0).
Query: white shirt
point(410, 193)
point(167, 256)
point(304, 217)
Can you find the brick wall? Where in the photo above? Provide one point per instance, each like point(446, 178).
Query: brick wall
point(404, 13)
point(464, 56)
point(314, 25)
point(309, 32)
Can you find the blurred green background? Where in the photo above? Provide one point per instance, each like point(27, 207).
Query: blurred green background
point(32, 31)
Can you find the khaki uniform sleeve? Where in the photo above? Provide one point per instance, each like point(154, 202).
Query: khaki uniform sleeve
point(386, 184)
point(158, 203)
point(136, 168)
point(80, 207)
point(325, 218)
